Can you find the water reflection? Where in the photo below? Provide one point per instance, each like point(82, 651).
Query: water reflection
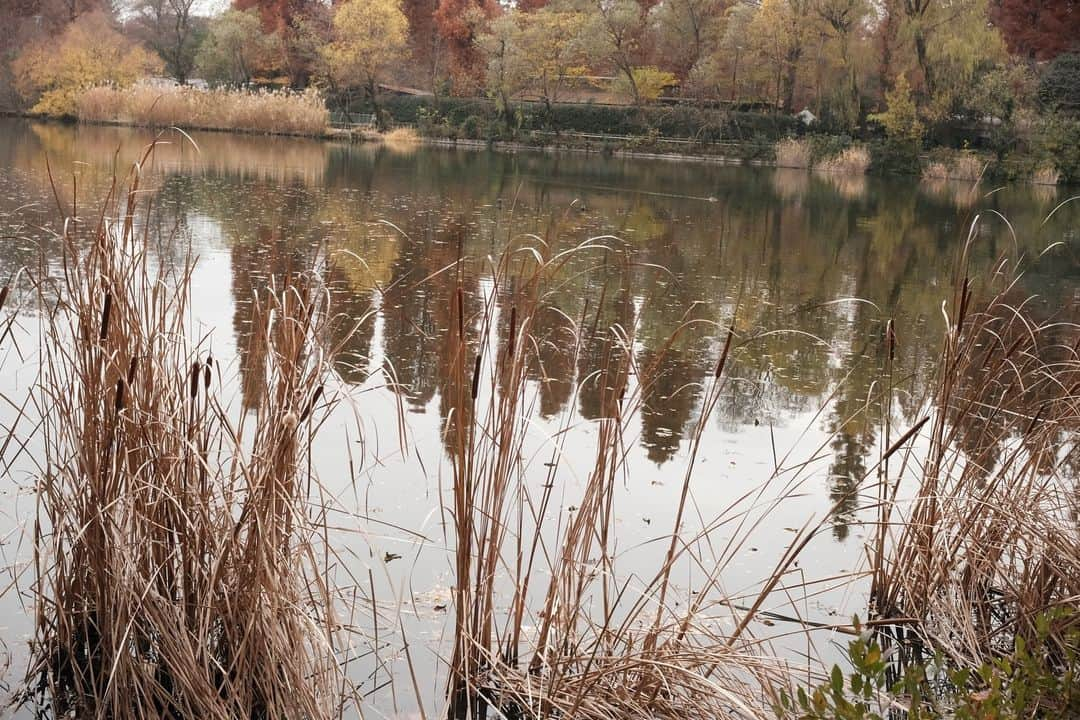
point(774, 254)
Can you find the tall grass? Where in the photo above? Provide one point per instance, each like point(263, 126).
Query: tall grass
point(262, 111)
point(178, 570)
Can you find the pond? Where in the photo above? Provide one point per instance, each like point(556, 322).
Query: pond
point(807, 269)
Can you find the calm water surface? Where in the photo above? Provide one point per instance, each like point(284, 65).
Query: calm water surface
point(778, 255)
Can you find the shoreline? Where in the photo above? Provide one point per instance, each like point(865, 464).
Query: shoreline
point(515, 146)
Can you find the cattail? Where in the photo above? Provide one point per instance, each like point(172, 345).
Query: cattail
point(195, 369)
point(476, 378)
point(4, 294)
point(311, 403)
point(724, 353)
point(513, 331)
point(105, 313)
point(460, 313)
point(118, 404)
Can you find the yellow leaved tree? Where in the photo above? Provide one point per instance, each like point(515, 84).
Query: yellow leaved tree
point(52, 72)
point(369, 37)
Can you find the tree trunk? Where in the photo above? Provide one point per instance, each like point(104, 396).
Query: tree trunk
point(789, 80)
point(924, 62)
point(373, 95)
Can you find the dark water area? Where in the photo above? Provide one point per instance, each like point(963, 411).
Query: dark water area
point(806, 268)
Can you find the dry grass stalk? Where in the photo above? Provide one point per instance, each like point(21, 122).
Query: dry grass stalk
point(176, 570)
point(793, 153)
point(262, 111)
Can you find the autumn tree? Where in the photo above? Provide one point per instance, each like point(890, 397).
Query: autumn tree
point(51, 72)
point(738, 22)
point(171, 29)
point(508, 64)
point(426, 44)
point(614, 35)
point(686, 30)
point(236, 48)
point(285, 20)
point(780, 32)
point(841, 19)
point(460, 24)
point(553, 43)
point(1038, 29)
point(901, 118)
point(369, 36)
point(276, 15)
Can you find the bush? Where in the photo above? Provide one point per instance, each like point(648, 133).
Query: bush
point(1060, 85)
point(1040, 679)
point(470, 128)
point(825, 147)
point(1056, 141)
point(893, 157)
point(649, 81)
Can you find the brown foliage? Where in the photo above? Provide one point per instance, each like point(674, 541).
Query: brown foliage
point(460, 23)
point(1038, 29)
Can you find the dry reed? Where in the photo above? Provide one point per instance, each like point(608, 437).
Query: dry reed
point(793, 153)
point(602, 646)
point(854, 160)
point(965, 167)
point(986, 540)
point(178, 572)
point(404, 138)
point(935, 171)
point(263, 111)
point(1046, 175)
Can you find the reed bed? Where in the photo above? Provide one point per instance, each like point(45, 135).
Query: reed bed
point(278, 112)
point(986, 541)
point(854, 160)
point(178, 566)
point(1046, 175)
point(965, 167)
point(794, 153)
point(545, 624)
